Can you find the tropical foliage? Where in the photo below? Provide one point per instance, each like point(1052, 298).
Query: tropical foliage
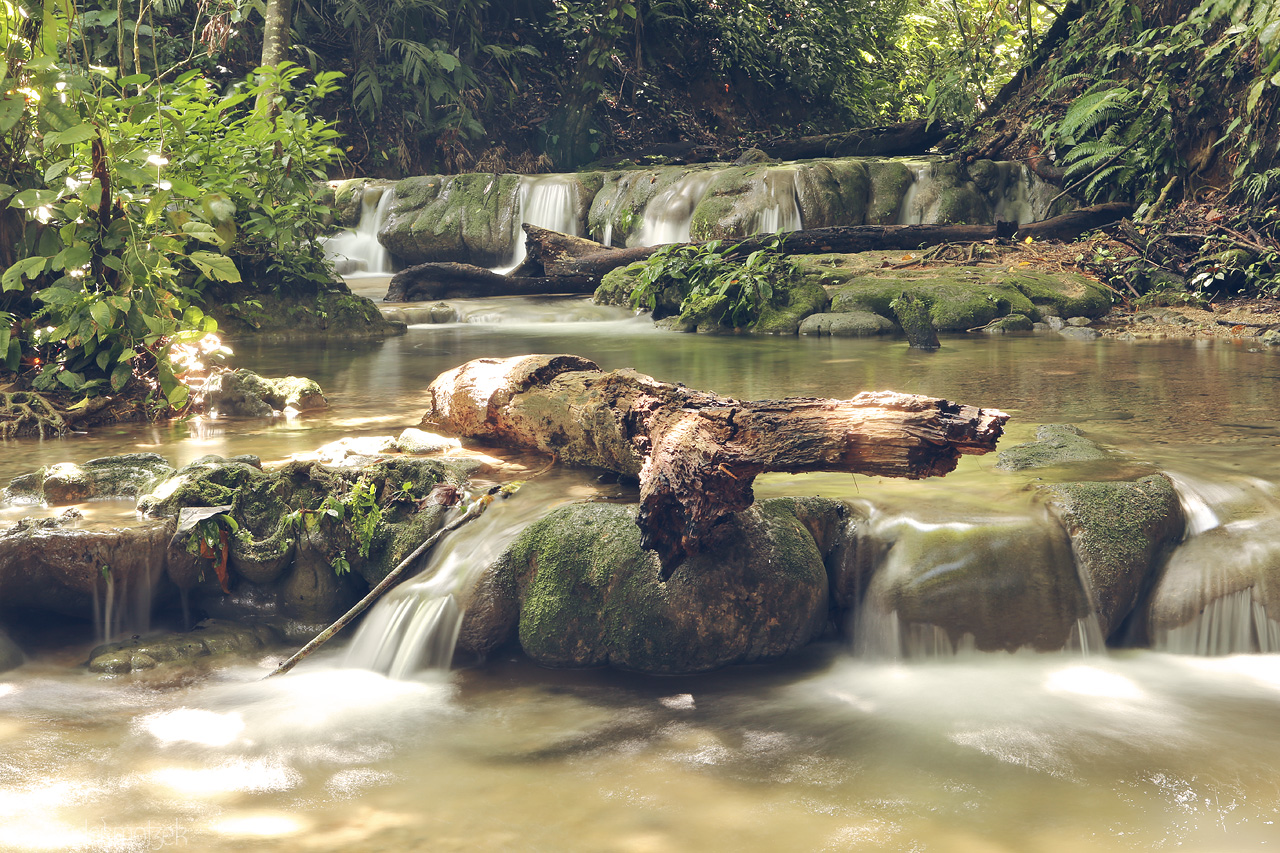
point(122, 197)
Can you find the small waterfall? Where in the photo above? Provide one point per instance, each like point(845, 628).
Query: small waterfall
point(416, 625)
point(668, 216)
point(357, 252)
point(781, 212)
point(913, 204)
point(941, 589)
point(548, 201)
point(122, 603)
point(1216, 593)
point(1230, 625)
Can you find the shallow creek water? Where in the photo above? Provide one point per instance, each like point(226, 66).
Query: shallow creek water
point(1132, 750)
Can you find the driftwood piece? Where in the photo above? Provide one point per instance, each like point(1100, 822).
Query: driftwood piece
point(694, 453)
point(451, 281)
point(544, 246)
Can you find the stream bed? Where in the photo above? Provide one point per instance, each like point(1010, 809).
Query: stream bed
point(1121, 750)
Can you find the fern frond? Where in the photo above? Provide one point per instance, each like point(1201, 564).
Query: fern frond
point(1094, 110)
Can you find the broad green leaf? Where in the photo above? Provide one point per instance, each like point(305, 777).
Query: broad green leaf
point(120, 375)
point(218, 267)
point(11, 109)
point(24, 268)
point(14, 356)
point(6, 333)
point(202, 231)
point(73, 257)
point(101, 313)
point(57, 170)
point(58, 296)
point(29, 199)
point(1255, 92)
point(70, 136)
point(74, 381)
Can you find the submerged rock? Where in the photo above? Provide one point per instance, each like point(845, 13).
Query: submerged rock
point(1119, 532)
point(243, 393)
point(125, 476)
point(1219, 592)
point(211, 638)
point(576, 589)
point(1055, 444)
point(850, 324)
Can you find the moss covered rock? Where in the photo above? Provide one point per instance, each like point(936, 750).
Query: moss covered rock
point(889, 181)
point(850, 324)
point(1119, 532)
point(243, 393)
point(963, 298)
point(468, 218)
point(125, 476)
point(577, 590)
point(833, 192)
point(1055, 444)
point(212, 638)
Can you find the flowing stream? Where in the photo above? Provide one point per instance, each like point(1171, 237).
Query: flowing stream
point(833, 749)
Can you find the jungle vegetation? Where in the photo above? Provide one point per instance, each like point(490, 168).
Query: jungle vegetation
point(150, 148)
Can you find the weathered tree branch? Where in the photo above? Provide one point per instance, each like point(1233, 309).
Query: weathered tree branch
point(694, 453)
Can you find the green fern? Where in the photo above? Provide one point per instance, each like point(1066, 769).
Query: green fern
point(1093, 111)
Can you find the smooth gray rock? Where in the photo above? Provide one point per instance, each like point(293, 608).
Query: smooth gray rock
point(850, 324)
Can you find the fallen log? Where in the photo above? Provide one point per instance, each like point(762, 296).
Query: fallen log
point(895, 140)
point(694, 453)
point(431, 281)
point(844, 239)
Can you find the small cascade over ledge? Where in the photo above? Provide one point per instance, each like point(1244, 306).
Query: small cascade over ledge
point(358, 252)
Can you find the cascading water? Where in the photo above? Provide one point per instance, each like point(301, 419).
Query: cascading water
point(547, 201)
point(122, 604)
point(1214, 596)
point(357, 252)
point(780, 212)
point(668, 217)
point(416, 625)
point(912, 211)
point(926, 581)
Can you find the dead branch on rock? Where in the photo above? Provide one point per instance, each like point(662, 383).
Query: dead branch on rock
point(694, 453)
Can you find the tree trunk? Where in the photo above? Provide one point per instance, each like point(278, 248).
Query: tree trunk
point(895, 140)
point(426, 282)
point(275, 32)
point(696, 454)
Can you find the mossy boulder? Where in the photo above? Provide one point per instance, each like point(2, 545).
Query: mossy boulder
point(1119, 532)
point(47, 565)
point(1010, 323)
point(1000, 585)
point(963, 298)
point(348, 198)
point(290, 313)
point(212, 638)
point(889, 181)
point(617, 207)
point(850, 324)
point(577, 590)
point(1055, 444)
point(243, 393)
point(468, 218)
point(125, 476)
point(746, 200)
point(833, 192)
